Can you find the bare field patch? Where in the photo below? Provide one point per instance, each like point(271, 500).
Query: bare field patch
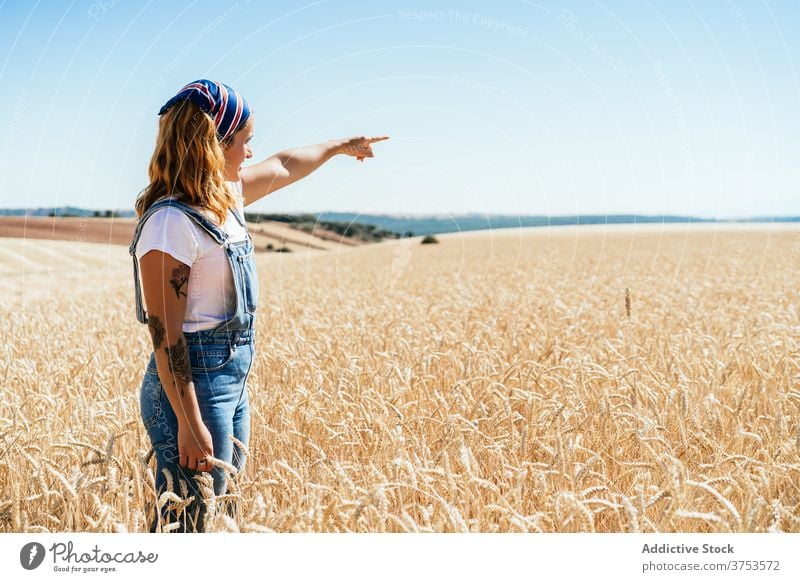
point(491, 382)
point(119, 231)
point(69, 228)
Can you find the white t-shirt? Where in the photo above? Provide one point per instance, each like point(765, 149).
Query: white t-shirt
point(211, 294)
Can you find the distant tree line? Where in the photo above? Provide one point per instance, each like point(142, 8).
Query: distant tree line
point(106, 214)
point(95, 214)
point(309, 223)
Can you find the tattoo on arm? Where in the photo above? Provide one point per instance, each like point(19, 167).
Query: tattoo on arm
point(179, 366)
point(157, 331)
point(180, 277)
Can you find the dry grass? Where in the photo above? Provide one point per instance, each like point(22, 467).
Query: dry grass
point(493, 382)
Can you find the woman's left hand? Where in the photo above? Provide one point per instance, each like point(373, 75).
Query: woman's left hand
point(360, 147)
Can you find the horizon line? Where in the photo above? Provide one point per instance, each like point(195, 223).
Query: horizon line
point(440, 216)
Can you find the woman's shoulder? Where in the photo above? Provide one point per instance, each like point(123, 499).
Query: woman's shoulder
point(168, 218)
point(170, 230)
point(177, 213)
point(168, 210)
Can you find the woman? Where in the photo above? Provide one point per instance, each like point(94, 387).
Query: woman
point(195, 271)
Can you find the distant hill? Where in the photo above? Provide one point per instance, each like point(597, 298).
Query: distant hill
point(376, 226)
point(422, 225)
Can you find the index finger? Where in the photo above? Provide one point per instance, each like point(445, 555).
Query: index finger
point(374, 139)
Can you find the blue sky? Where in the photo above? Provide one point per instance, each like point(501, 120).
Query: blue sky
point(506, 107)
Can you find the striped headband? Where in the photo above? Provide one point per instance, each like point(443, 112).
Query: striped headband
point(224, 105)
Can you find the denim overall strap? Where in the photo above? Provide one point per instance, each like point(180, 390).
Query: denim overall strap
point(219, 236)
point(241, 254)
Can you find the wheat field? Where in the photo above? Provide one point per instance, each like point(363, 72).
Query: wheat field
point(584, 379)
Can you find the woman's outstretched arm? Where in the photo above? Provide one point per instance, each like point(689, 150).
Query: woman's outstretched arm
point(290, 165)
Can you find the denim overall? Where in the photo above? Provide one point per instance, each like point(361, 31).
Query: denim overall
point(220, 360)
